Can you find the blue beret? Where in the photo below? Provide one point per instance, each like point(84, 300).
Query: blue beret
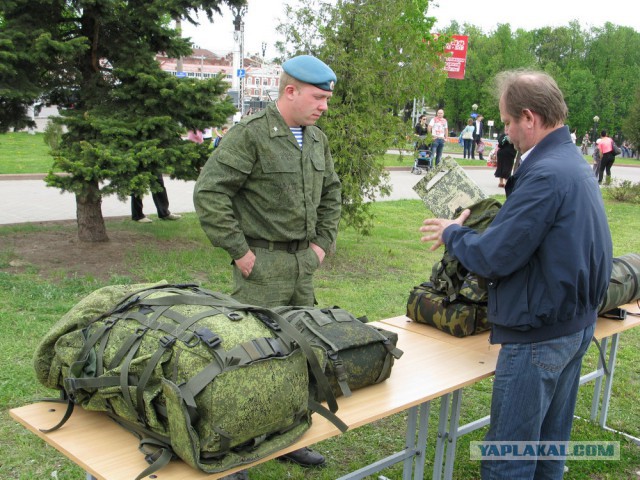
point(308, 69)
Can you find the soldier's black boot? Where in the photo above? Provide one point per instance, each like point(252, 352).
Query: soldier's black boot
point(305, 457)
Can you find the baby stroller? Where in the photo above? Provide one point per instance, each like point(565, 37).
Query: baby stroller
point(422, 163)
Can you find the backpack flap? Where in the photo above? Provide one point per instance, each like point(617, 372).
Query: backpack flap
point(357, 354)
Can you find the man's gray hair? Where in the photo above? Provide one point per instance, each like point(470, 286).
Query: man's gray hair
point(533, 90)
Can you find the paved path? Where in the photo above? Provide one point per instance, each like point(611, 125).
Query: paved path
point(26, 199)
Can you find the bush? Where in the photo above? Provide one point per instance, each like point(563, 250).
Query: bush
point(53, 135)
point(624, 191)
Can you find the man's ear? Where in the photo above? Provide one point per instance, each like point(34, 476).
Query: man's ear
point(528, 116)
point(289, 90)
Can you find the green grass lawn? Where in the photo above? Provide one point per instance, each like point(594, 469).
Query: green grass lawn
point(24, 153)
point(369, 276)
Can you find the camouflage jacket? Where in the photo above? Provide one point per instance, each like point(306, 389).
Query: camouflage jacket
point(259, 184)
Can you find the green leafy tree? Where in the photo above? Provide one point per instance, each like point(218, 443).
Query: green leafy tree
point(631, 124)
point(384, 56)
point(125, 116)
point(613, 58)
point(597, 69)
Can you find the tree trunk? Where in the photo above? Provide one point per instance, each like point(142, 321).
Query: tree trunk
point(91, 227)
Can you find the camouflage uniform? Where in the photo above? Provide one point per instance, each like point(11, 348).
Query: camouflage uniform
point(259, 187)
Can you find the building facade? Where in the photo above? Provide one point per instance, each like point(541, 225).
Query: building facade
point(260, 83)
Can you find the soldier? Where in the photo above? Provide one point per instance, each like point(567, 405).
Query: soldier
point(269, 196)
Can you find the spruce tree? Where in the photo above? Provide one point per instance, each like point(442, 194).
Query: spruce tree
point(124, 116)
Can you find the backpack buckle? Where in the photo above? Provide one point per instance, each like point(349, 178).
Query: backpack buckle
point(268, 321)
point(167, 341)
point(207, 337)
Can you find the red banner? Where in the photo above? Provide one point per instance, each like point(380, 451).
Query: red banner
point(455, 62)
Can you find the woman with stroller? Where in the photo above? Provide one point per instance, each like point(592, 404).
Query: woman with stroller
point(422, 157)
point(421, 131)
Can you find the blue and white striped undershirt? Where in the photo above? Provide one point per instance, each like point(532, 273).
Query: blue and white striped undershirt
point(297, 132)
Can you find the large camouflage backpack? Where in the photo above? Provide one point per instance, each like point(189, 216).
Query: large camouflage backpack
point(192, 373)
point(351, 353)
point(455, 300)
point(624, 285)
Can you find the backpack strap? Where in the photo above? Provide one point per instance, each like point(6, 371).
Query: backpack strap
point(284, 328)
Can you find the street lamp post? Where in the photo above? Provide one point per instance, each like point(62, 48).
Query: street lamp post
point(596, 120)
point(474, 108)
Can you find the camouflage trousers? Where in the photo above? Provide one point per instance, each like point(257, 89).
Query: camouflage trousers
point(278, 278)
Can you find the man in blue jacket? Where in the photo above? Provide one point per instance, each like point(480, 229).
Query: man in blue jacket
point(547, 258)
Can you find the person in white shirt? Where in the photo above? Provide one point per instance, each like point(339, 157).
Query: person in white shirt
point(477, 136)
point(438, 128)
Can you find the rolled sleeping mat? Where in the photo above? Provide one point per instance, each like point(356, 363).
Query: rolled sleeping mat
point(624, 286)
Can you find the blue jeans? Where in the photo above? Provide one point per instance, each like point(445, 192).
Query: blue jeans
point(534, 397)
point(437, 146)
point(466, 149)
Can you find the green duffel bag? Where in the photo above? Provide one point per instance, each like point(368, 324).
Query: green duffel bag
point(192, 373)
point(624, 286)
point(465, 315)
point(352, 353)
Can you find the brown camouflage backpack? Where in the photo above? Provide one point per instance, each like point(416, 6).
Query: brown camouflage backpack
point(455, 300)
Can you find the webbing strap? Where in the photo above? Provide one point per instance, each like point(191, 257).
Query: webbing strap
point(332, 417)
point(242, 354)
point(72, 384)
point(124, 348)
point(340, 372)
point(124, 370)
point(165, 344)
point(385, 371)
point(158, 459)
point(100, 354)
point(67, 416)
point(76, 368)
point(224, 440)
point(155, 447)
point(312, 360)
point(186, 299)
point(392, 349)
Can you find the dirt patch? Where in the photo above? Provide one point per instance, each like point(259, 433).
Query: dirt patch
point(56, 253)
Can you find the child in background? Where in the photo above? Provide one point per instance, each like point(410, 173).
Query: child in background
point(480, 149)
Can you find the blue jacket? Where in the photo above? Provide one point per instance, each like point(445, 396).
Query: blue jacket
point(547, 255)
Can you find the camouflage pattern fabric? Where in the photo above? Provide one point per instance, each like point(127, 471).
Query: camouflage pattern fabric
point(448, 274)
point(352, 353)
point(259, 184)
point(446, 188)
point(624, 286)
point(455, 300)
point(213, 381)
point(464, 316)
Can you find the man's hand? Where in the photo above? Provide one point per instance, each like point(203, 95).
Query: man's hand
point(319, 252)
point(437, 226)
point(245, 263)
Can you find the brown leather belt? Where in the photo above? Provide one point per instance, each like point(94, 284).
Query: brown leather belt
point(292, 246)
